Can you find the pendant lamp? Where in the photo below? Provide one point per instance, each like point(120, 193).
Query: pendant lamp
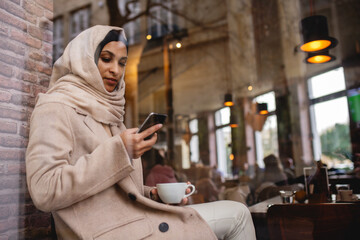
point(319, 57)
point(228, 100)
point(262, 108)
point(315, 34)
point(233, 120)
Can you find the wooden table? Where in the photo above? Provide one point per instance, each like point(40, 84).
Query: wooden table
point(259, 215)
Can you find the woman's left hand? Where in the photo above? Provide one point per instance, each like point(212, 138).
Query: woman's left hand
point(155, 196)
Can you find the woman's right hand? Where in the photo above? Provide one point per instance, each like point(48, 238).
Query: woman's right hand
point(134, 142)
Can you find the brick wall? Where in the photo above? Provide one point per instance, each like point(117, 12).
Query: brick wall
point(25, 68)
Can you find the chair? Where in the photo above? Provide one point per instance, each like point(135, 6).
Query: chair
point(313, 221)
point(196, 198)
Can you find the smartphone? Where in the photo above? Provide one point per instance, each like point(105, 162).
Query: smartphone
point(151, 120)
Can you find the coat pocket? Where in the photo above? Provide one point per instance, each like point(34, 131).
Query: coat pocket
point(135, 228)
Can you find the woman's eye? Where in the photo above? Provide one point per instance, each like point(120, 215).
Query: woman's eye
point(105, 59)
point(122, 64)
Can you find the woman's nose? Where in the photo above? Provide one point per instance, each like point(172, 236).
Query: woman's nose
point(114, 69)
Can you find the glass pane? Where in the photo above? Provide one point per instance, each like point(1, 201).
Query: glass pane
point(267, 140)
point(193, 125)
point(327, 83)
point(331, 133)
point(194, 148)
point(222, 116)
point(223, 147)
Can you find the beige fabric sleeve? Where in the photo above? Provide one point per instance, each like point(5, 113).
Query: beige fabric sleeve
point(55, 179)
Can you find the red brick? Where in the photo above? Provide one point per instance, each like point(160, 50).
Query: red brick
point(48, 37)
point(16, 1)
point(35, 32)
point(48, 4)
point(9, 182)
point(16, 168)
point(18, 35)
point(30, 18)
point(5, 96)
point(13, 114)
point(9, 198)
point(30, 65)
point(29, 77)
point(14, 9)
point(37, 89)
point(33, 8)
point(47, 48)
point(46, 21)
point(5, 70)
point(33, 42)
point(24, 38)
point(45, 82)
point(10, 141)
point(12, 47)
point(36, 56)
point(8, 127)
point(4, 29)
point(4, 237)
point(24, 130)
point(14, 61)
point(13, 84)
point(12, 154)
point(4, 212)
point(8, 224)
point(13, 21)
point(24, 100)
point(2, 169)
point(43, 69)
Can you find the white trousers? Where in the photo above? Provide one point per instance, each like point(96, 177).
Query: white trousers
point(228, 219)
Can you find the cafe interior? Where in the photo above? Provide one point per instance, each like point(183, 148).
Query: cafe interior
point(262, 99)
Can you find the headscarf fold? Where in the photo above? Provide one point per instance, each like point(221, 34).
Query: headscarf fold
point(76, 80)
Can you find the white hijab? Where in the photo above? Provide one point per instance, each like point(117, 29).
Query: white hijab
point(76, 80)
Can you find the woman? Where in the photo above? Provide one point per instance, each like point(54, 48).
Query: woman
point(84, 166)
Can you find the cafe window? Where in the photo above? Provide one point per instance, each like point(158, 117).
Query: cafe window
point(162, 21)
point(194, 141)
point(58, 39)
point(329, 114)
point(80, 20)
point(223, 141)
point(131, 28)
point(266, 140)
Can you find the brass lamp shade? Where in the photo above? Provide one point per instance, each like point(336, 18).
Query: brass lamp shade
point(262, 108)
point(315, 34)
point(319, 57)
point(228, 100)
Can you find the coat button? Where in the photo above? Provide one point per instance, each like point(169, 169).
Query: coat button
point(163, 227)
point(132, 196)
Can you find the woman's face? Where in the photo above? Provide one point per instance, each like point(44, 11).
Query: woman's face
point(111, 64)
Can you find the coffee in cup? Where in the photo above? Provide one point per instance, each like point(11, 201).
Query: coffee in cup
point(173, 193)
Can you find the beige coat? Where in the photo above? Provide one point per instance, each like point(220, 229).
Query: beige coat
point(83, 175)
point(74, 170)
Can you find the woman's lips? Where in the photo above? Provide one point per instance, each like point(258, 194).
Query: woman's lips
point(111, 81)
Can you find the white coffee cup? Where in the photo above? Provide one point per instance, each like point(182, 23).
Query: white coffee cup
point(346, 195)
point(173, 193)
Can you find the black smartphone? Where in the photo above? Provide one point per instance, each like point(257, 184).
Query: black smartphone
point(151, 120)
